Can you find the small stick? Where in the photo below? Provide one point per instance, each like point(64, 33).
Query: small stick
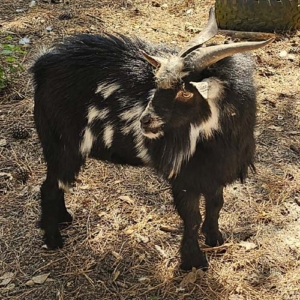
point(248, 34)
point(94, 17)
point(169, 229)
point(218, 248)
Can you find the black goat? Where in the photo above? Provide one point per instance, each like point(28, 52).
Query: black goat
point(191, 118)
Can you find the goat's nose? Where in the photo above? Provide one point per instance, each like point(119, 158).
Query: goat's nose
point(145, 120)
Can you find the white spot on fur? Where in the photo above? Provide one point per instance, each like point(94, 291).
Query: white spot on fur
point(107, 89)
point(151, 94)
point(63, 186)
point(177, 165)
point(94, 113)
point(132, 113)
point(108, 135)
point(87, 142)
point(194, 136)
point(132, 119)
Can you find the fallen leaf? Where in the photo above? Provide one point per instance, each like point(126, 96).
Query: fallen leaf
point(40, 279)
point(6, 278)
point(191, 277)
point(247, 245)
point(30, 282)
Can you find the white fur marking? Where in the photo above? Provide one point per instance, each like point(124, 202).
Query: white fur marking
point(87, 142)
point(177, 165)
point(142, 151)
point(106, 89)
point(63, 186)
point(94, 113)
point(132, 119)
point(108, 135)
point(132, 113)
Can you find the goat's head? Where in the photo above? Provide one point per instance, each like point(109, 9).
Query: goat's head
point(180, 99)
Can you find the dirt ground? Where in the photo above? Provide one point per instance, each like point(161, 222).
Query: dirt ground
point(124, 241)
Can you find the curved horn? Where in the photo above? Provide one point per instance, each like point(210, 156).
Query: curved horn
point(205, 57)
point(206, 34)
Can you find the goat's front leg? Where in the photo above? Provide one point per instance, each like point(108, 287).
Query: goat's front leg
point(210, 228)
point(187, 205)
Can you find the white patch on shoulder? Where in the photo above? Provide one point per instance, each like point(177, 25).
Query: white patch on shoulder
point(107, 89)
point(87, 142)
point(63, 186)
point(94, 113)
point(108, 135)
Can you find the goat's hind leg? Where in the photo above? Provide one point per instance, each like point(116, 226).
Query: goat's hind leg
point(210, 228)
point(54, 213)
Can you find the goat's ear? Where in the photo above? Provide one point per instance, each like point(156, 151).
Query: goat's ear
point(155, 61)
point(202, 87)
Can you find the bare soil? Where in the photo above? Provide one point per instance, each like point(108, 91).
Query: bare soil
point(124, 241)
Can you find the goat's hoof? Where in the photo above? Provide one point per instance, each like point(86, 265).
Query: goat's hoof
point(53, 241)
point(198, 263)
point(214, 240)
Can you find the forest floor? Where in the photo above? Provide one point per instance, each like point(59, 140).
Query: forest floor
point(124, 240)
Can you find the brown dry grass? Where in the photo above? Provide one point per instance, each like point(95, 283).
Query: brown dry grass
point(116, 247)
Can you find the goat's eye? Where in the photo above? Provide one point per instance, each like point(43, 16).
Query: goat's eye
point(184, 95)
